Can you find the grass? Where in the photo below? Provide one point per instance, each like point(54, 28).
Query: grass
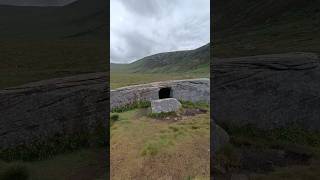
point(162, 114)
point(81, 164)
point(134, 105)
point(15, 171)
point(145, 148)
point(295, 34)
point(122, 78)
point(28, 61)
point(189, 104)
point(292, 139)
point(60, 143)
point(310, 172)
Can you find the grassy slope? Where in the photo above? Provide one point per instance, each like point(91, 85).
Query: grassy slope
point(23, 62)
point(53, 22)
point(249, 27)
point(161, 67)
point(39, 43)
point(179, 61)
point(145, 148)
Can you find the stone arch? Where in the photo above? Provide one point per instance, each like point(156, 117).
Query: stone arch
point(165, 93)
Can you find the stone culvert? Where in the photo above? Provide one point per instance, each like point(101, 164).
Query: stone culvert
point(59, 106)
point(268, 91)
point(194, 90)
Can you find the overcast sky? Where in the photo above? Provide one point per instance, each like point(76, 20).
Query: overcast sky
point(143, 27)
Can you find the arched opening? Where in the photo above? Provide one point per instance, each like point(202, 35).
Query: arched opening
point(165, 93)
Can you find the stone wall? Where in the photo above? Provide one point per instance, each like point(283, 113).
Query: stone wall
point(40, 110)
point(188, 90)
point(43, 109)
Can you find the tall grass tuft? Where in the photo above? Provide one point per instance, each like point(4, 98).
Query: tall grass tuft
point(134, 105)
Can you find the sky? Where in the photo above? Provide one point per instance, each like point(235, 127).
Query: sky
point(139, 28)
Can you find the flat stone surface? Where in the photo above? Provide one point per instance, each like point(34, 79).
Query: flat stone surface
point(165, 105)
point(268, 91)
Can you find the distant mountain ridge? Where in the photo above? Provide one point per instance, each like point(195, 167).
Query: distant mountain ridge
point(196, 60)
point(82, 18)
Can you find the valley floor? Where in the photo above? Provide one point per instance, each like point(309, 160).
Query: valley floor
point(120, 79)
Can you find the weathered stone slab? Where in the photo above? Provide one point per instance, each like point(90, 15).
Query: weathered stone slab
point(221, 138)
point(188, 90)
point(59, 106)
point(165, 105)
point(268, 91)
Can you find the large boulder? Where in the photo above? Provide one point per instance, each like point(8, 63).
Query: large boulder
point(165, 105)
point(267, 91)
point(64, 106)
point(221, 138)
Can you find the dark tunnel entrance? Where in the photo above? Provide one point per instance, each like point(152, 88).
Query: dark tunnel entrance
point(165, 93)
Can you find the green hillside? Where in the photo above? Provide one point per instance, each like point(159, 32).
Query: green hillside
point(81, 18)
point(40, 43)
point(252, 27)
point(191, 61)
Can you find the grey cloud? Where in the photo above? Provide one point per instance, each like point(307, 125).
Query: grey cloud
point(143, 27)
point(135, 46)
point(151, 8)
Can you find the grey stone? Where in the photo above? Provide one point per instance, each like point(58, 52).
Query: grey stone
point(267, 91)
point(40, 110)
point(165, 105)
point(188, 90)
point(221, 138)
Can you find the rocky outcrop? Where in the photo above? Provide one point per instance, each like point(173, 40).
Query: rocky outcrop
point(165, 105)
point(267, 91)
point(188, 90)
point(221, 138)
point(59, 106)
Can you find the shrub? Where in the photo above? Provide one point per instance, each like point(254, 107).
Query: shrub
point(228, 157)
point(114, 117)
point(15, 172)
point(189, 104)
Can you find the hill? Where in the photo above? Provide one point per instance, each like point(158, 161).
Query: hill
point(252, 27)
point(39, 43)
point(196, 60)
point(81, 18)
